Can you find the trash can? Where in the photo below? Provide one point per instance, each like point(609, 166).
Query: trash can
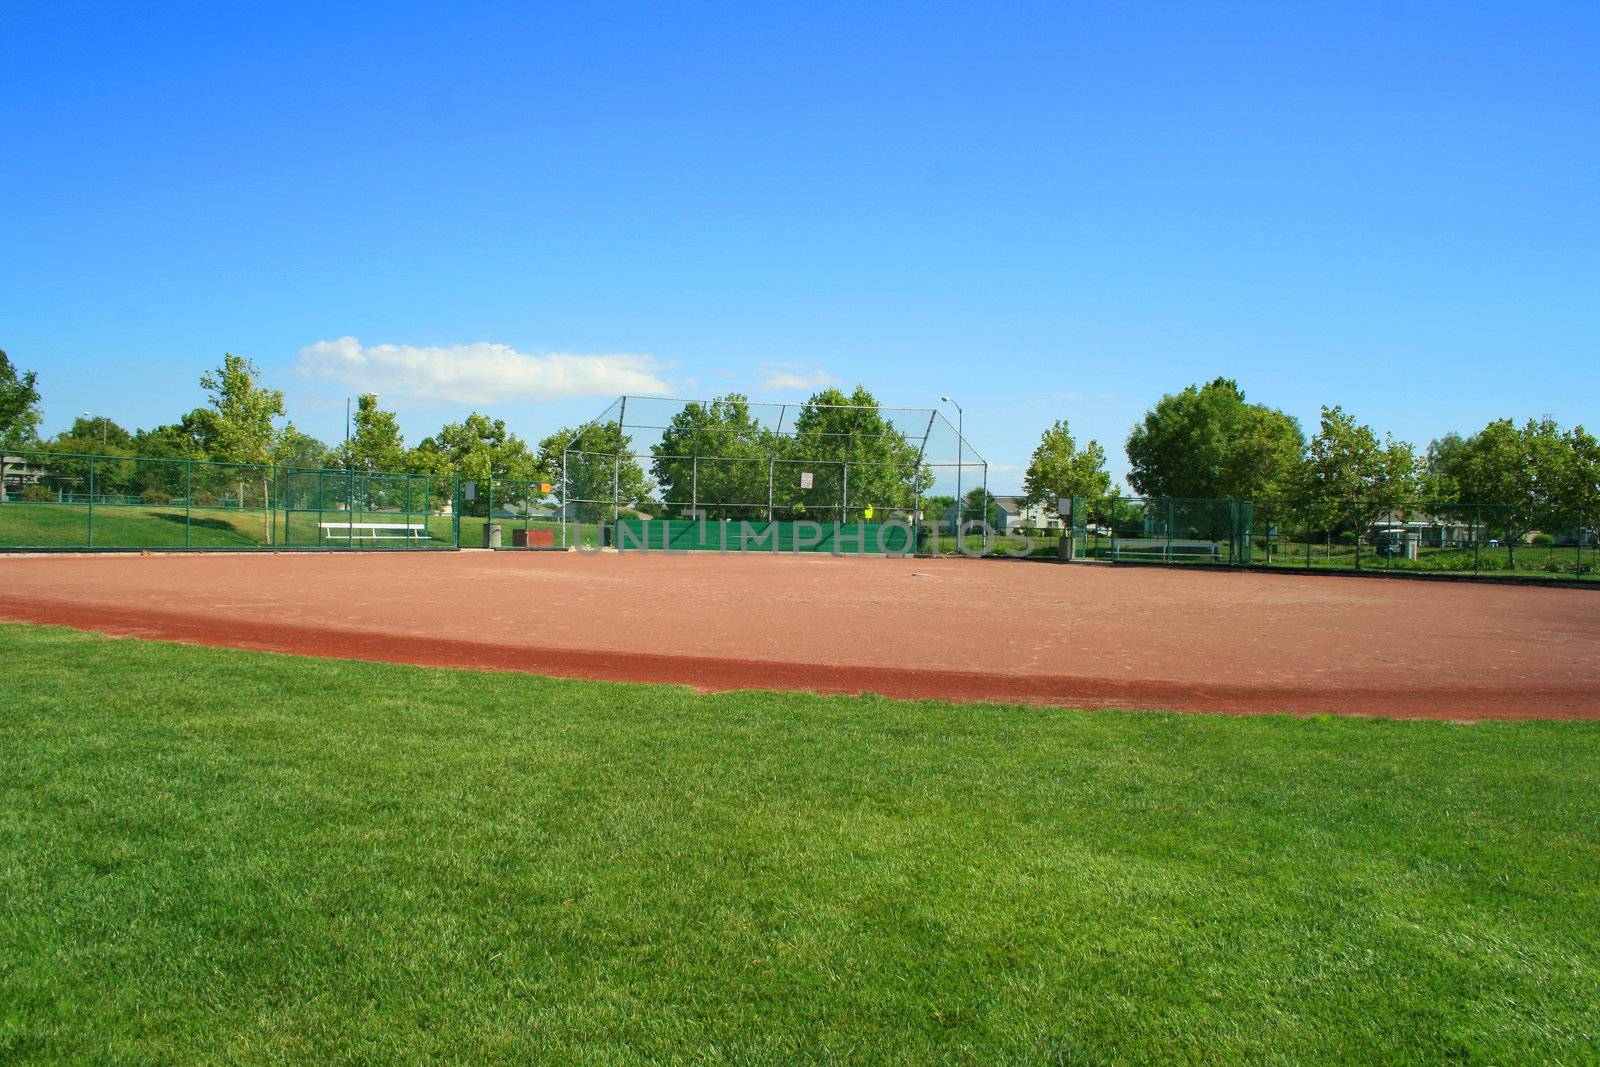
point(491, 535)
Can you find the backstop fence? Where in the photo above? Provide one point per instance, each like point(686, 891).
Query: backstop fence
point(56, 501)
point(732, 460)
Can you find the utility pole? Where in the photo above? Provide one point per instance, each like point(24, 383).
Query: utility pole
point(101, 419)
point(961, 440)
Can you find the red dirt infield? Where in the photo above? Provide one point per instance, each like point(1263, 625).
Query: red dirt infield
point(951, 629)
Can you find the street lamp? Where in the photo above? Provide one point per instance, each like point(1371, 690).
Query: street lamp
point(961, 440)
point(102, 420)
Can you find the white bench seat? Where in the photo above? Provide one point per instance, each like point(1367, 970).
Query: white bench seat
point(372, 531)
point(1162, 549)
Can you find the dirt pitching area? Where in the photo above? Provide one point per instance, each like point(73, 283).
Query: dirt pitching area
point(948, 629)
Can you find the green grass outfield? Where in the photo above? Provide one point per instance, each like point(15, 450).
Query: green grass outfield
point(25, 524)
point(226, 856)
point(38, 525)
point(43, 525)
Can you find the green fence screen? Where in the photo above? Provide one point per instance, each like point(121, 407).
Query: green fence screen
point(851, 539)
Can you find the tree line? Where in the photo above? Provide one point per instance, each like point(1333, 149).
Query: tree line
point(1206, 441)
point(245, 422)
point(1209, 442)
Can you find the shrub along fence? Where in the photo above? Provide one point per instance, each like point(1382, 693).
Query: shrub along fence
point(51, 500)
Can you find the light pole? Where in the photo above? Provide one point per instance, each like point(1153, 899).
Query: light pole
point(102, 420)
point(961, 440)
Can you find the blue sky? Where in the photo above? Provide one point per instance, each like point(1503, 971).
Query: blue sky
point(1045, 211)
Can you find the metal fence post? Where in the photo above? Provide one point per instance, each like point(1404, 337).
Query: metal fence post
point(1359, 511)
point(769, 486)
point(988, 511)
point(564, 495)
point(844, 492)
point(1477, 537)
point(188, 499)
point(91, 502)
point(1168, 556)
point(455, 510)
point(916, 504)
point(694, 483)
point(616, 488)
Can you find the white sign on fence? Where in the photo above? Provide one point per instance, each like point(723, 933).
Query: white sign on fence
point(805, 479)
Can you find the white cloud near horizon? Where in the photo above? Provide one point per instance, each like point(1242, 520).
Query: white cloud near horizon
point(479, 373)
point(792, 377)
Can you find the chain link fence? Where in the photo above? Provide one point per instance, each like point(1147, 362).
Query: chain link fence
point(56, 501)
point(1535, 540)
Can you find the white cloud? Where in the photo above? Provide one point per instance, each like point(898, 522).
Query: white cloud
point(479, 373)
point(792, 377)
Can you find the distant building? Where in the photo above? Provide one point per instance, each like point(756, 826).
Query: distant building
point(1425, 531)
point(1010, 514)
point(16, 474)
point(1582, 537)
point(525, 511)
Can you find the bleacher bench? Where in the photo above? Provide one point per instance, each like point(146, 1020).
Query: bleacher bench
point(371, 531)
point(1164, 550)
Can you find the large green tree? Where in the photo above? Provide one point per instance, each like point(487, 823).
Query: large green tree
point(297, 449)
point(1060, 468)
point(246, 411)
point(592, 465)
point(19, 413)
point(1209, 442)
point(94, 435)
point(854, 453)
point(187, 439)
point(377, 443)
point(980, 505)
point(245, 431)
point(1435, 481)
point(1518, 478)
point(19, 405)
point(1583, 473)
point(478, 449)
point(190, 437)
point(1349, 476)
point(716, 455)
